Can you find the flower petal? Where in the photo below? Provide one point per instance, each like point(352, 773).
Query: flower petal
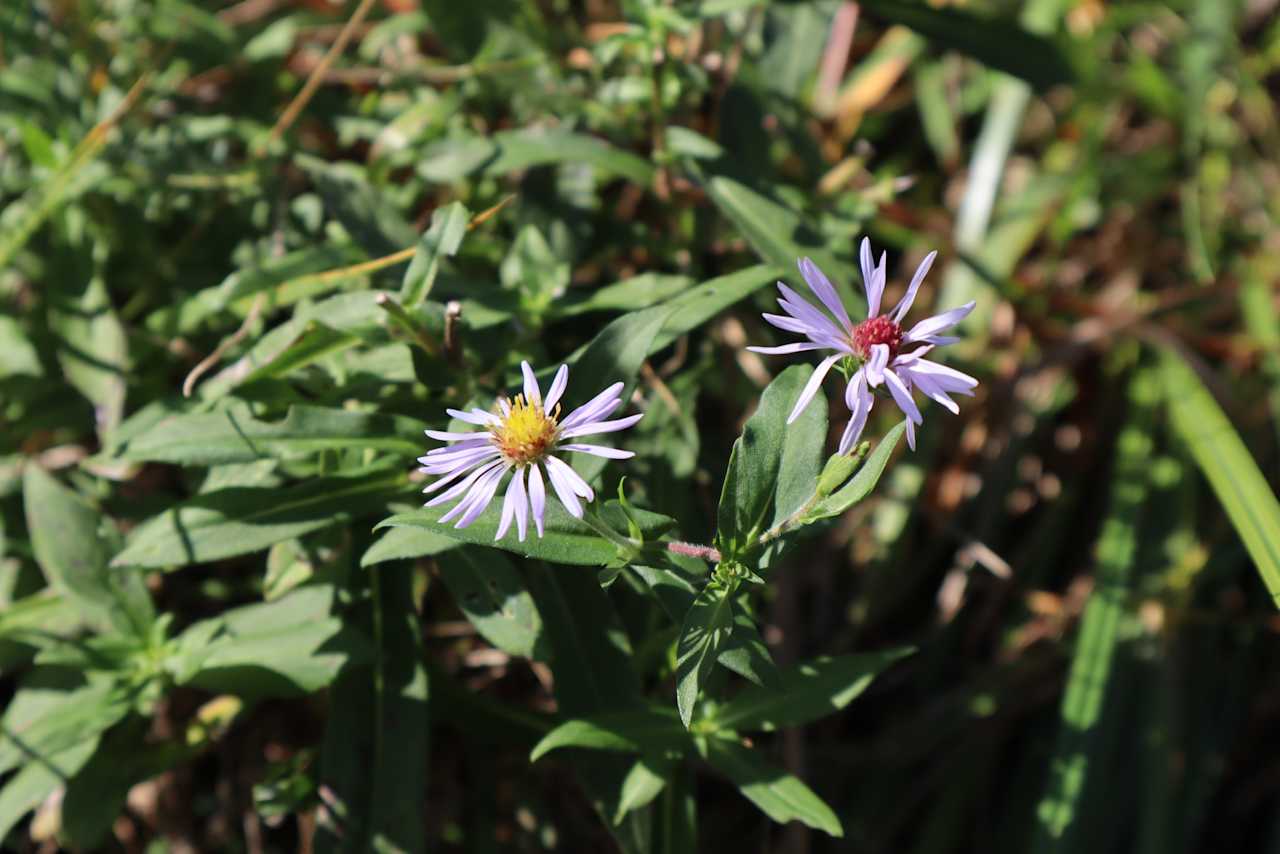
point(483, 496)
point(475, 416)
point(564, 491)
point(600, 401)
point(859, 399)
point(600, 451)
point(803, 311)
point(911, 435)
point(537, 496)
point(514, 507)
point(811, 387)
point(948, 379)
point(571, 477)
point(474, 494)
point(445, 436)
point(873, 285)
point(904, 305)
point(591, 428)
point(531, 392)
point(557, 388)
point(933, 325)
point(465, 485)
point(508, 511)
point(876, 363)
point(787, 348)
point(825, 291)
point(902, 397)
point(522, 503)
point(930, 388)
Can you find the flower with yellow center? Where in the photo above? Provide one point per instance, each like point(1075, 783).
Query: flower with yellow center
point(523, 436)
point(526, 432)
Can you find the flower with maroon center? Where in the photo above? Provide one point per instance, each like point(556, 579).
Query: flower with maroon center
point(522, 436)
point(879, 353)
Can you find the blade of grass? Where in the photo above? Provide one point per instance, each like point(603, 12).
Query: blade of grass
point(1083, 732)
point(1222, 456)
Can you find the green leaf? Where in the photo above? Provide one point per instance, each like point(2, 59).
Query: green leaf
point(1082, 742)
point(696, 306)
point(315, 340)
point(517, 150)
point(291, 646)
point(57, 708)
point(803, 444)
point(18, 356)
point(407, 542)
point(614, 355)
point(442, 239)
point(565, 539)
point(96, 795)
point(590, 655)
point(27, 789)
point(651, 730)
point(233, 435)
point(68, 541)
point(240, 520)
point(779, 795)
point(806, 692)
point(998, 42)
point(278, 274)
point(639, 292)
point(363, 211)
point(93, 349)
point(400, 727)
point(39, 619)
point(703, 637)
point(779, 235)
point(644, 782)
point(745, 653)
point(491, 592)
point(375, 751)
point(862, 483)
point(1222, 456)
point(749, 484)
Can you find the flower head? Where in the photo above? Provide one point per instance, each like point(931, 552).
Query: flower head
point(524, 435)
point(884, 354)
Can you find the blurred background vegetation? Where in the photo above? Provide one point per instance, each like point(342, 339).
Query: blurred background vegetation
point(1084, 558)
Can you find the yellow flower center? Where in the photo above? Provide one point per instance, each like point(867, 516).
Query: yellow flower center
point(527, 432)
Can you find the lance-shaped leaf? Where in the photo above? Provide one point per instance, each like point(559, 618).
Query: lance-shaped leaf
point(1222, 456)
point(651, 730)
point(778, 794)
point(860, 486)
point(240, 520)
point(492, 593)
point(805, 692)
point(747, 495)
point(233, 435)
point(73, 553)
point(448, 227)
point(407, 543)
point(703, 637)
point(565, 539)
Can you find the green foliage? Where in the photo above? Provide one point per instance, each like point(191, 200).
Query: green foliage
point(251, 252)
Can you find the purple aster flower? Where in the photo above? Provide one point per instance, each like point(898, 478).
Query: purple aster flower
point(523, 435)
point(884, 355)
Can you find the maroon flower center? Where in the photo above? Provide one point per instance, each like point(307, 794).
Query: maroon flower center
point(876, 330)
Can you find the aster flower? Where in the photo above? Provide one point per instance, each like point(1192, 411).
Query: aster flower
point(883, 354)
point(524, 436)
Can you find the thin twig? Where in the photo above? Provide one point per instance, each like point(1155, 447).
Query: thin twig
point(189, 384)
point(300, 100)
